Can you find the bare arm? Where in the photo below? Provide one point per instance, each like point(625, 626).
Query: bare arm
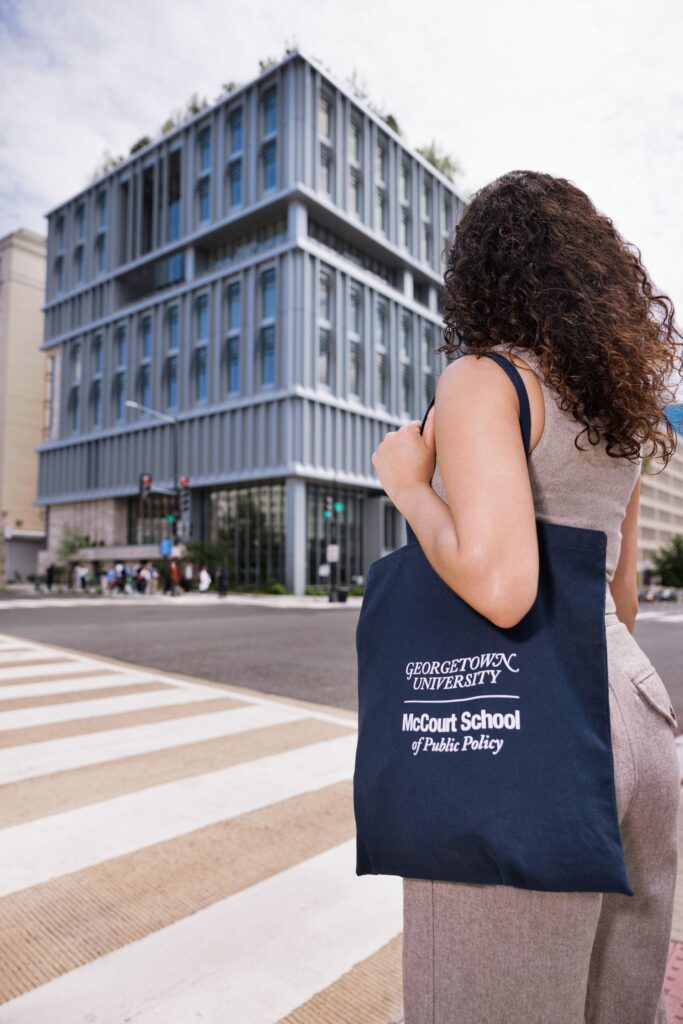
point(624, 582)
point(483, 544)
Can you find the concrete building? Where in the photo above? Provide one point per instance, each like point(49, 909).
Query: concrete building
point(22, 400)
point(266, 276)
point(660, 515)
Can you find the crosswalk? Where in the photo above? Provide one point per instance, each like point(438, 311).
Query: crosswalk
point(173, 850)
point(660, 615)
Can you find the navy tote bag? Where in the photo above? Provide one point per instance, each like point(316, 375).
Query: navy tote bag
point(484, 754)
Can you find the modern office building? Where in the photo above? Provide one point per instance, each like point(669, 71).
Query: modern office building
point(22, 412)
point(266, 277)
point(660, 515)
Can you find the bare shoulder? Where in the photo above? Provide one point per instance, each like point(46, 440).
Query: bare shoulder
point(474, 376)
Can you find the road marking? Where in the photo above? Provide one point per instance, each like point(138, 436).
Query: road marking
point(27, 717)
point(34, 759)
point(252, 957)
point(43, 849)
point(156, 864)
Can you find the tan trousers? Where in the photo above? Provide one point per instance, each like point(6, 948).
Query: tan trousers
point(493, 954)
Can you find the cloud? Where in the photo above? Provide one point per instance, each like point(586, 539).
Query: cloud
point(588, 90)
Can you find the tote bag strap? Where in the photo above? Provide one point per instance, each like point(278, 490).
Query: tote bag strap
point(524, 412)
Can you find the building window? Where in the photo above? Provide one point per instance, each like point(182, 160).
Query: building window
point(405, 182)
point(355, 141)
point(201, 346)
point(269, 110)
point(426, 197)
point(406, 234)
point(381, 199)
point(171, 358)
point(269, 146)
point(79, 263)
point(203, 204)
point(267, 328)
point(406, 211)
point(327, 171)
point(406, 362)
point(326, 133)
point(205, 150)
point(59, 233)
point(80, 222)
point(100, 254)
point(119, 378)
point(235, 183)
point(355, 333)
point(75, 387)
point(382, 211)
point(174, 198)
point(59, 274)
point(427, 362)
point(356, 185)
point(145, 378)
point(382, 352)
point(232, 341)
point(326, 329)
point(235, 131)
point(381, 162)
point(268, 159)
point(101, 210)
point(97, 361)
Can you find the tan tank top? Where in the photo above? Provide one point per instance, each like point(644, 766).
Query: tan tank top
point(575, 488)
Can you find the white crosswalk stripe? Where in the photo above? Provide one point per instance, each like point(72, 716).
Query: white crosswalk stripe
point(184, 862)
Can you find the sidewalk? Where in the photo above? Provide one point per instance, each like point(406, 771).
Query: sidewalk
point(30, 599)
point(177, 850)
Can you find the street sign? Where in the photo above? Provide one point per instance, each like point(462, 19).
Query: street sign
point(332, 554)
point(166, 547)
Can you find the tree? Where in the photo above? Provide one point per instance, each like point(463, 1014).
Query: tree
point(443, 162)
point(71, 543)
point(668, 562)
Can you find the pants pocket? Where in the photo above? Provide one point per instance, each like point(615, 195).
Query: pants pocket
point(651, 688)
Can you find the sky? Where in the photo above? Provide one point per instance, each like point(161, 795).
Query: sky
point(590, 91)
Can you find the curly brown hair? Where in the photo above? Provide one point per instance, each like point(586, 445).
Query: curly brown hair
point(532, 264)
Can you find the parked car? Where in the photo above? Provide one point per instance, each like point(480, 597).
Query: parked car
point(668, 594)
point(650, 594)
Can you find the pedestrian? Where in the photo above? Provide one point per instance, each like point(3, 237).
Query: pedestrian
point(174, 577)
point(222, 581)
point(111, 580)
point(50, 576)
point(204, 579)
point(188, 574)
point(154, 579)
point(537, 274)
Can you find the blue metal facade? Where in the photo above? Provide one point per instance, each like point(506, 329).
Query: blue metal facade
point(268, 273)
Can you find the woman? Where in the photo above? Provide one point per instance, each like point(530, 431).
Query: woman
point(536, 273)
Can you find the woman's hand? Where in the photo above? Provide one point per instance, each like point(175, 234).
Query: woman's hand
point(405, 459)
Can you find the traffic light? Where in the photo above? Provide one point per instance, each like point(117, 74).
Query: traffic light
point(185, 498)
point(145, 485)
point(339, 506)
point(327, 507)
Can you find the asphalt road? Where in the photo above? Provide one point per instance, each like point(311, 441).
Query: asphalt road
point(305, 653)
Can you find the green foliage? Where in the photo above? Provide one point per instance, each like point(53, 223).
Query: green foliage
point(140, 144)
point(208, 553)
point(107, 163)
point(443, 162)
point(392, 122)
point(668, 562)
point(71, 543)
